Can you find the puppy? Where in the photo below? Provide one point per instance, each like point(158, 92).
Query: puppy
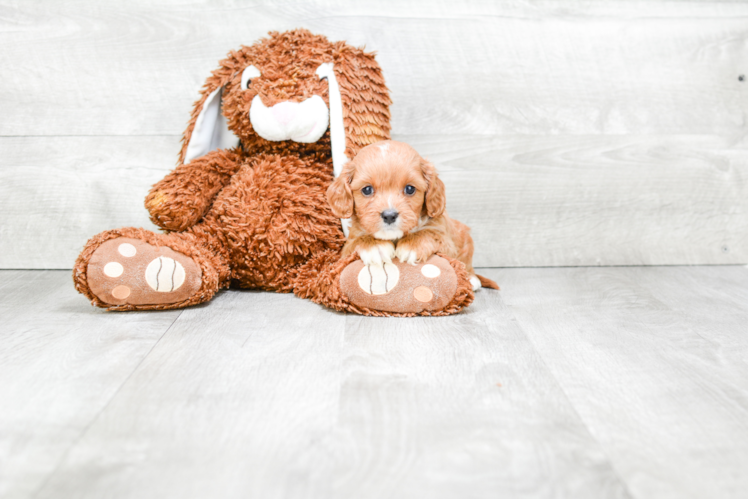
point(396, 203)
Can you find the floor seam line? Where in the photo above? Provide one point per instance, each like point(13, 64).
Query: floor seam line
point(627, 489)
point(103, 408)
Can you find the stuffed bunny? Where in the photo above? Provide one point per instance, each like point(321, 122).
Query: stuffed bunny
point(247, 204)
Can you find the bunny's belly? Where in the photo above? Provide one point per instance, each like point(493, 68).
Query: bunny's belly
point(272, 217)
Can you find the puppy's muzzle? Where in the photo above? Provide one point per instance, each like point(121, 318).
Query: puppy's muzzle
point(389, 216)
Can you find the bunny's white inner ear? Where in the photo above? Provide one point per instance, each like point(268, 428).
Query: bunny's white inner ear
point(337, 128)
point(211, 130)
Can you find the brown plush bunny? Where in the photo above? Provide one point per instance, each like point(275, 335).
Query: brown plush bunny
point(247, 204)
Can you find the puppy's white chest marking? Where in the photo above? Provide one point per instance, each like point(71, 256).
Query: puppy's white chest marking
point(388, 234)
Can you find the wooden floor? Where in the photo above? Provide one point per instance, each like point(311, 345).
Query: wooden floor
point(603, 382)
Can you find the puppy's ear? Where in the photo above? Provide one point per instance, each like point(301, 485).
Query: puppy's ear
point(339, 194)
point(436, 199)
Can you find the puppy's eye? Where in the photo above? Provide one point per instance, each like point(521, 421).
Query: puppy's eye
point(367, 190)
point(409, 190)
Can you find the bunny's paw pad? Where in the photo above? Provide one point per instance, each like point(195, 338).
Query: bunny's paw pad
point(398, 287)
point(129, 271)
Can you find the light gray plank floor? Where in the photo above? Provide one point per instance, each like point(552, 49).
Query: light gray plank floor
point(61, 363)
point(606, 382)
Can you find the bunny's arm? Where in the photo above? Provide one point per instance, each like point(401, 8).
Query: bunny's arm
point(182, 198)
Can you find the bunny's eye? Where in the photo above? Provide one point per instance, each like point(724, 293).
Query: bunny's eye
point(367, 190)
point(410, 190)
point(249, 73)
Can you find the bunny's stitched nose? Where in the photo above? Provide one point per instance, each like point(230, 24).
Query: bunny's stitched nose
point(389, 216)
point(285, 112)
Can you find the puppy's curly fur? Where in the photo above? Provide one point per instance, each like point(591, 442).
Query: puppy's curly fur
point(397, 206)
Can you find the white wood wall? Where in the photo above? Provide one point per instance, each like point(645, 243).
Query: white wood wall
point(567, 132)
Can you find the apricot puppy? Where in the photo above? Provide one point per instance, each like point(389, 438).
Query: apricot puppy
point(396, 203)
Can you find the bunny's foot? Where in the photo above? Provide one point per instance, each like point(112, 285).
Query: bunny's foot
point(434, 288)
point(132, 269)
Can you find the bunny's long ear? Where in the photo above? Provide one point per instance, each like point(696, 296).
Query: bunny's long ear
point(363, 115)
point(337, 124)
point(208, 128)
point(359, 105)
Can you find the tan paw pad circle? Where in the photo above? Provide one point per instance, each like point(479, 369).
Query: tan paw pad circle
point(113, 269)
point(121, 292)
point(127, 250)
point(164, 274)
point(422, 294)
point(430, 271)
point(378, 280)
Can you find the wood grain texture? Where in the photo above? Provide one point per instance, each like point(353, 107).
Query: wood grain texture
point(568, 133)
point(266, 395)
point(654, 361)
point(459, 407)
point(530, 200)
point(597, 200)
point(231, 405)
point(453, 67)
point(61, 363)
point(57, 192)
point(570, 382)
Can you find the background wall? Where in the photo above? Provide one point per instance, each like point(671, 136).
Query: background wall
point(567, 132)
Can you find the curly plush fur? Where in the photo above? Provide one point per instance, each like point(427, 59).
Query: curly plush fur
point(256, 215)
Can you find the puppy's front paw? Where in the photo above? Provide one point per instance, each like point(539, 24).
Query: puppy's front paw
point(406, 252)
point(378, 254)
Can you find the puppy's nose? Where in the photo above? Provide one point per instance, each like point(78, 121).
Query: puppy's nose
point(389, 216)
